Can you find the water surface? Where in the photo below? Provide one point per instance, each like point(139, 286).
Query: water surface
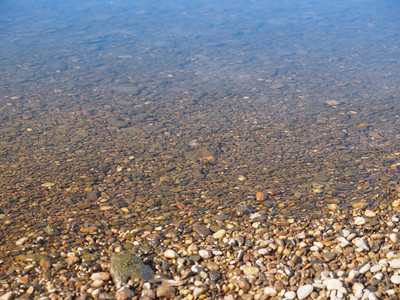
point(146, 103)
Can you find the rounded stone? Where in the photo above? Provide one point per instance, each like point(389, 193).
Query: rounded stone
point(205, 254)
point(395, 279)
point(219, 234)
point(333, 284)
point(170, 254)
point(304, 291)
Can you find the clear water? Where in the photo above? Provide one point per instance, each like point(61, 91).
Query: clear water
point(178, 99)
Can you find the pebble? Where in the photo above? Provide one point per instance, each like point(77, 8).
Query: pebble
point(395, 279)
point(251, 270)
point(219, 234)
point(205, 254)
point(271, 292)
point(361, 244)
point(333, 284)
point(202, 231)
point(304, 291)
point(360, 221)
point(291, 295)
point(124, 293)
point(395, 263)
point(100, 276)
point(169, 253)
point(166, 292)
point(125, 266)
point(198, 291)
point(7, 296)
point(365, 268)
point(21, 241)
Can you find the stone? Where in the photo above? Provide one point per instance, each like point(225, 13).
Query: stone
point(125, 266)
point(365, 268)
point(219, 234)
point(333, 284)
point(148, 294)
point(361, 244)
point(251, 271)
point(124, 293)
point(304, 291)
point(198, 291)
point(166, 292)
point(170, 254)
point(45, 262)
point(332, 102)
point(270, 292)
point(395, 263)
point(51, 230)
point(260, 196)
point(202, 231)
point(100, 276)
point(328, 256)
point(290, 295)
point(205, 254)
point(21, 241)
point(7, 296)
point(395, 279)
point(360, 221)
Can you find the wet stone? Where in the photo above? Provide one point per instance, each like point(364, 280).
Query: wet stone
point(125, 266)
point(202, 231)
point(51, 230)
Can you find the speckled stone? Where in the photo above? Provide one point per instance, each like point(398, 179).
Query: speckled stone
point(125, 266)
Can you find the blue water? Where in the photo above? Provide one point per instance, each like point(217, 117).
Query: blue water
point(243, 82)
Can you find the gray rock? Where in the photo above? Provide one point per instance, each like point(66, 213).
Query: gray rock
point(125, 266)
point(202, 231)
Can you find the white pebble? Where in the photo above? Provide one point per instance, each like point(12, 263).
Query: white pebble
point(271, 292)
point(375, 268)
point(346, 232)
point(395, 279)
point(304, 291)
point(319, 285)
point(205, 254)
point(360, 221)
point(361, 244)
point(370, 213)
point(333, 284)
point(353, 274)
point(198, 291)
point(365, 268)
point(357, 289)
point(395, 263)
point(290, 295)
point(170, 254)
point(343, 242)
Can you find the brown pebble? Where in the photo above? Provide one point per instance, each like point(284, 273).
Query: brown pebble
point(166, 291)
point(260, 196)
point(45, 263)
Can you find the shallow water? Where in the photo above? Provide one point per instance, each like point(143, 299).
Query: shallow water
point(142, 103)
